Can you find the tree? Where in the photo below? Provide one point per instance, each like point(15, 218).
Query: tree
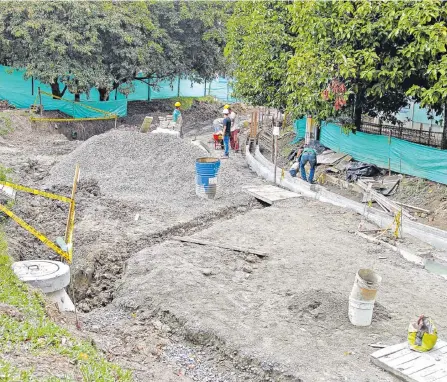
point(108, 44)
point(340, 58)
point(259, 45)
point(52, 41)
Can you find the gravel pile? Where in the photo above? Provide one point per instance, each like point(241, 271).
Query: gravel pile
point(154, 168)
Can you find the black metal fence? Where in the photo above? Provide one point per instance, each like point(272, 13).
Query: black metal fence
point(423, 137)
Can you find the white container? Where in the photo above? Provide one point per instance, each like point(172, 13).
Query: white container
point(360, 312)
point(363, 296)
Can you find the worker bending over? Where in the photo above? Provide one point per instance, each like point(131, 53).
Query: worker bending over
point(308, 155)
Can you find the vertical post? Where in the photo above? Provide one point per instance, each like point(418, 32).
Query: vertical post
point(40, 102)
point(444, 131)
point(389, 152)
point(148, 90)
point(178, 87)
point(308, 128)
point(116, 118)
point(275, 140)
point(71, 213)
point(204, 90)
point(412, 115)
point(116, 94)
point(32, 85)
point(429, 136)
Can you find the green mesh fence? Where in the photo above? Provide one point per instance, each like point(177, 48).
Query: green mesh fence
point(402, 156)
point(22, 92)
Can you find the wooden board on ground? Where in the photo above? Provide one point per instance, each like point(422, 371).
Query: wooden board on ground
point(330, 158)
point(412, 366)
point(146, 125)
point(270, 194)
point(218, 245)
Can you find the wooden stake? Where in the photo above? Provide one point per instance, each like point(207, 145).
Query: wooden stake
point(71, 212)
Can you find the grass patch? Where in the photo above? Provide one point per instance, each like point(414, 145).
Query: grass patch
point(5, 124)
point(30, 332)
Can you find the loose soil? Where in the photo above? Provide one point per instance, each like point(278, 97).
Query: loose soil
point(179, 311)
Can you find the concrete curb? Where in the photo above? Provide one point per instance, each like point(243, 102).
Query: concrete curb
point(264, 168)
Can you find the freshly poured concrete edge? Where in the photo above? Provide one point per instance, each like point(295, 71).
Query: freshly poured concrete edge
point(264, 168)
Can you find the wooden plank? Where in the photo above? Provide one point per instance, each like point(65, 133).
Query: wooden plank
point(412, 366)
point(421, 374)
point(403, 360)
point(389, 350)
point(330, 158)
point(439, 376)
point(384, 201)
point(270, 194)
point(213, 244)
point(413, 207)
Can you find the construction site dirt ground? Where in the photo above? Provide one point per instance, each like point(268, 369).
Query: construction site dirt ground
point(174, 311)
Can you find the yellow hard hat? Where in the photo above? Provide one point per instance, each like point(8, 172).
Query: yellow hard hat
point(227, 107)
point(177, 104)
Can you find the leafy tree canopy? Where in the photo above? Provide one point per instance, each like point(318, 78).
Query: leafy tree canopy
point(106, 44)
point(340, 58)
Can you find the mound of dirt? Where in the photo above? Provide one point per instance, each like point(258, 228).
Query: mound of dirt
point(132, 166)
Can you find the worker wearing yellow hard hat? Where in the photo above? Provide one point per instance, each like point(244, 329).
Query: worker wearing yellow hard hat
point(177, 117)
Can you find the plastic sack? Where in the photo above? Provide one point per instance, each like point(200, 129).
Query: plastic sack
point(422, 334)
point(359, 169)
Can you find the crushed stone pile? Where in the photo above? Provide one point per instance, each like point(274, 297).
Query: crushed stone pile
point(152, 168)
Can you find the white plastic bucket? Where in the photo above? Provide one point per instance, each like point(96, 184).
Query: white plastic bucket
point(360, 312)
point(363, 296)
point(366, 284)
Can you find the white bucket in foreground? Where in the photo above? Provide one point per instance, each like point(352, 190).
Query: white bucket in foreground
point(363, 296)
point(360, 312)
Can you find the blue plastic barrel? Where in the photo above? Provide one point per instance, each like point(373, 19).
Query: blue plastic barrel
point(206, 177)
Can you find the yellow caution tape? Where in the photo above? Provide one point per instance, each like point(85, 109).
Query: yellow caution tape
point(33, 119)
point(36, 233)
point(48, 195)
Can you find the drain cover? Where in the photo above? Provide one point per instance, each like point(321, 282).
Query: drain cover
point(49, 276)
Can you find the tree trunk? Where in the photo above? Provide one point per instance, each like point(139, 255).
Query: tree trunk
point(103, 94)
point(55, 90)
point(357, 118)
point(444, 130)
point(77, 97)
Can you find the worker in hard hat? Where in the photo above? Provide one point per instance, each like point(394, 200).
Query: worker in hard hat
point(226, 132)
point(177, 118)
point(234, 143)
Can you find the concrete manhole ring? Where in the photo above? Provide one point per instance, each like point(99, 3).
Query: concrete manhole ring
point(48, 276)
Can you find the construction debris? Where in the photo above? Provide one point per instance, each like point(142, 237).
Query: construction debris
point(330, 157)
point(356, 170)
point(388, 205)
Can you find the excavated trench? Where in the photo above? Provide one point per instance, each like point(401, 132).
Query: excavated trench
point(93, 287)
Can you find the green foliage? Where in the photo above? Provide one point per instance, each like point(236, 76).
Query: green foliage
point(383, 52)
point(37, 336)
point(106, 44)
point(259, 45)
point(4, 173)
point(5, 124)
